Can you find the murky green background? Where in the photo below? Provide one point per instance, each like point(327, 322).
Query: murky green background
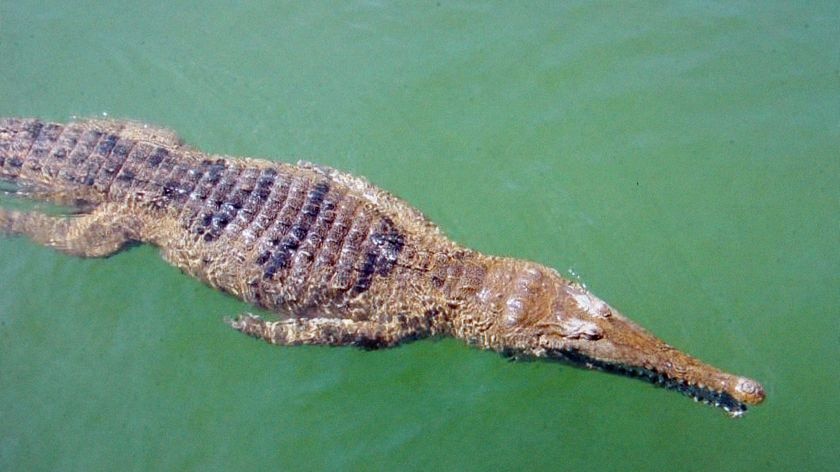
point(682, 157)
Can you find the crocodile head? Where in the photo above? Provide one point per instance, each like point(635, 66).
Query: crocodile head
point(538, 313)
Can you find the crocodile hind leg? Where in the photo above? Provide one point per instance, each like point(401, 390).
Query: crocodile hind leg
point(330, 331)
point(99, 233)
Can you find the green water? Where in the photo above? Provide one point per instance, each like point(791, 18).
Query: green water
point(681, 157)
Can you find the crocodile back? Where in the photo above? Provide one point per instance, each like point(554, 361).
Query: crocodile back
point(296, 239)
point(281, 237)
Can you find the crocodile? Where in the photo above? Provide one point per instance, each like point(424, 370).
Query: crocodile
point(340, 261)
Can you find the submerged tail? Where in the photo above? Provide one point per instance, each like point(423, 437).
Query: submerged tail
point(16, 139)
point(66, 163)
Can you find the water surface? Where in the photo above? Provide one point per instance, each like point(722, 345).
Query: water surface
point(681, 158)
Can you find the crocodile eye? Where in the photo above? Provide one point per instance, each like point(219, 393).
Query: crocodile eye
point(576, 328)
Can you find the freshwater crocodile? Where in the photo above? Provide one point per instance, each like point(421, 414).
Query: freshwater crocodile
point(342, 262)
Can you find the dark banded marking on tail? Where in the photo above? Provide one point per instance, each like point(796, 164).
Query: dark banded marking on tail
point(181, 184)
point(18, 150)
point(206, 176)
point(211, 220)
point(33, 166)
point(340, 221)
point(305, 261)
point(112, 164)
point(11, 145)
point(64, 146)
point(265, 203)
point(9, 128)
point(159, 165)
point(161, 186)
point(84, 162)
point(271, 254)
point(389, 243)
point(292, 238)
point(350, 251)
point(157, 157)
point(380, 253)
point(133, 174)
point(235, 208)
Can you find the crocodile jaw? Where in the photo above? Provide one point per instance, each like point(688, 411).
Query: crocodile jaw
point(604, 339)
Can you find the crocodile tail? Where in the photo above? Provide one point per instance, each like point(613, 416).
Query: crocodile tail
point(69, 162)
point(16, 139)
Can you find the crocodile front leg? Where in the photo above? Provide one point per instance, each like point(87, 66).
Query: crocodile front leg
point(332, 331)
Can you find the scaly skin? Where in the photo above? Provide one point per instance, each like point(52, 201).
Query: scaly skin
point(342, 261)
